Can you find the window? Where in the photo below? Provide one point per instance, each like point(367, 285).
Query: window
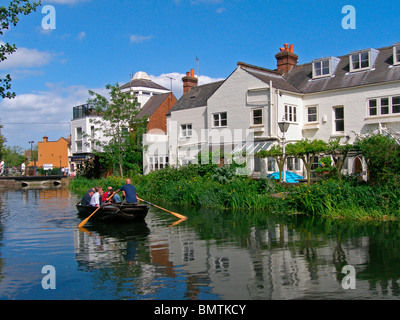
point(220, 119)
point(395, 104)
point(271, 164)
point(312, 114)
point(293, 164)
point(383, 106)
point(362, 60)
point(257, 116)
point(324, 67)
point(158, 162)
point(321, 68)
point(373, 111)
point(186, 130)
point(339, 118)
point(396, 54)
point(78, 146)
point(78, 134)
point(290, 113)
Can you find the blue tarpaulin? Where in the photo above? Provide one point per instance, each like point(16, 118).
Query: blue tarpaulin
point(291, 177)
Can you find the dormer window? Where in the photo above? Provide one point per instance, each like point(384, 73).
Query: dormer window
point(362, 60)
point(324, 67)
point(396, 53)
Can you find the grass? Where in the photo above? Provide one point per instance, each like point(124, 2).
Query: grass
point(221, 189)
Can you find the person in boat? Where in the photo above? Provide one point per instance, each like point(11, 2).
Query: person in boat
point(86, 198)
point(115, 199)
point(95, 201)
point(129, 192)
point(106, 194)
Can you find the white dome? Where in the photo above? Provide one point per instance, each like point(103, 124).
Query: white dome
point(141, 75)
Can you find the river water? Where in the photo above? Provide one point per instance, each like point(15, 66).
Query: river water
point(211, 256)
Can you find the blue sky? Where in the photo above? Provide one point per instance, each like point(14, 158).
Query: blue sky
point(99, 42)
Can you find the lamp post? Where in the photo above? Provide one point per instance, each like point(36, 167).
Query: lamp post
point(284, 126)
point(31, 142)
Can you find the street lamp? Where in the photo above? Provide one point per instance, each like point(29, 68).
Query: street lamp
point(31, 142)
point(284, 126)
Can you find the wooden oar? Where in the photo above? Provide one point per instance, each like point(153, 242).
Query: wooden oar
point(174, 213)
point(87, 219)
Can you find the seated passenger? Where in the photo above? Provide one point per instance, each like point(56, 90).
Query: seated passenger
point(86, 198)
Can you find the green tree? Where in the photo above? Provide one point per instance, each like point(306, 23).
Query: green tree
point(382, 154)
point(339, 153)
point(275, 152)
point(122, 128)
point(14, 156)
point(9, 16)
point(306, 150)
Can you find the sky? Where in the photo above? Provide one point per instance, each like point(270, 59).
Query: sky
point(100, 42)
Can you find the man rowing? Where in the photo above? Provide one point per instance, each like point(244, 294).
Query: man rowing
point(129, 192)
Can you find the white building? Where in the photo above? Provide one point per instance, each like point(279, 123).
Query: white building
point(326, 98)
point(84, 124)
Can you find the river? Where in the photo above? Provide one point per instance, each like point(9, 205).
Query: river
point(211, 256)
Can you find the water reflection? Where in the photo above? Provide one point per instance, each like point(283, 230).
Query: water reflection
point(212, 255)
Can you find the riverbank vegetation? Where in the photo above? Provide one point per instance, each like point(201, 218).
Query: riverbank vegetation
point(331, 196)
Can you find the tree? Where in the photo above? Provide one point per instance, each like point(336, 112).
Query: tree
point(120, 124)
point(307, 150)
point(275, 152)
point(382, 154)
point(339, 153)
point(9, 15)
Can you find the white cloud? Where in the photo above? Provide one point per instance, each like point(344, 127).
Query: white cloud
point(81, 35)
point(26, 58)
point(31, 116)
point(138, 38)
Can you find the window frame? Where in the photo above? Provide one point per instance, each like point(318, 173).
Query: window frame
point(291, 113)
point(253, 117)
point(338, 120)
point(396, 54)
point(360, 60)
point(385, 106)
point(307, 114)
point(321, 62)
point(220, 119)
point(185, 129)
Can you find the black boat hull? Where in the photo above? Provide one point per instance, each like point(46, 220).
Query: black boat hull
point(127, 212)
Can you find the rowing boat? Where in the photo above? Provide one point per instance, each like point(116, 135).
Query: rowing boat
point(115, 212)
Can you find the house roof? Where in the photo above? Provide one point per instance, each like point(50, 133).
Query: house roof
point(382, 71)
point(152, 105)
point(267, 75)
point(300, 79)
point(144, 83)
point(196, 97)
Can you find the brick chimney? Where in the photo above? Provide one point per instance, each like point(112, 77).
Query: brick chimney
point(189, 81)
point(286, 59)
point(45, 139)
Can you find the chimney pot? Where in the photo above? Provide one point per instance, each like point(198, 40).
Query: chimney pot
point(45, 139)
point(286, 59)
point(189, 81)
